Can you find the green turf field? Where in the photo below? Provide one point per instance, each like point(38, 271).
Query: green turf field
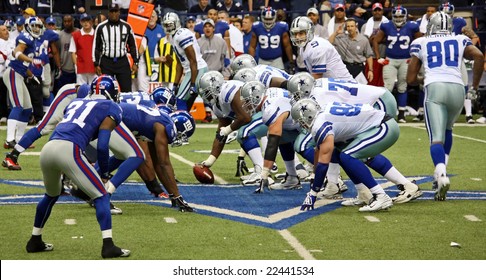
point(422, 229)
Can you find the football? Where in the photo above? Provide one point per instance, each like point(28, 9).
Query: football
point(203, 174)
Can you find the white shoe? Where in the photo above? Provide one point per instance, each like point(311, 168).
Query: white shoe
point(251, 179)
point(470, 120)
point(288, 183)
point(408, 192)
point(443, 184)
point(231, 137)
point(377, 203)
point(115, 210)
point(301, 172)
point(353, 202)
point(481, 120)
point(331, 191)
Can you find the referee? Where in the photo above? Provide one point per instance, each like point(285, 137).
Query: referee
point(113, 40)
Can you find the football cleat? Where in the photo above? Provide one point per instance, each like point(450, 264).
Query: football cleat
point(407, 193)
point(114, 252)
point(11, 163)
point(288, 183)
point(9, 144)
point(115, 210)
point(443, 184)
point(231, 137)
point(353, 202)
point(377, 203)
point(37, 245)
point(183, 206)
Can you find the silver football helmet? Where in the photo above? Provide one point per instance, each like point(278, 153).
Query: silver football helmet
point(209, 86)
point(439, 23)
point(245, 75)
point(243, 61)
point(300, 85)
point(298, 26)
point(171, 23)
point(304, 112)
point(251, 95)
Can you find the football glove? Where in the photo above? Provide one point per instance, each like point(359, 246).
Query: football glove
point(263, 185)
point(37, 63)
point(383, 61)
point(221, 138)
point(308, 203)
point(193, 90)
point(241, 168)
point(33, 81)
point(472, 94)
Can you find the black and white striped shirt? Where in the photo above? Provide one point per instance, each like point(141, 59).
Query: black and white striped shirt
point(114, 40)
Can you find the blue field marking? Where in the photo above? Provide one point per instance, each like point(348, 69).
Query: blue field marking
point(276, 209)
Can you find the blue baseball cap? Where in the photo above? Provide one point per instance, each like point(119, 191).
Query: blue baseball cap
point(50, 20)
point(20, 21)
point(85, 16)
point(190, 18)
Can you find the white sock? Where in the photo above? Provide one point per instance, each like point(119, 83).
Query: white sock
point(439, 170)
point(21, 126)
point(242, 153)
point(263, 142)
point(394, 176)
point(290, 166)
point(468, 107)
point(37, 231)
point(333, 173)
point(446, 159)
point(377, 190)
point(255, 156)
point(11, 127)
point(106, 234)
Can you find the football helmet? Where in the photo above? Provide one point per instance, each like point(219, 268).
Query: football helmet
point(185, 126)
point(243, 61)
point(439, 23)
point(171, 23)
point(399, 16)
point(34, 27)
point(105, 86)
point(210, 86)
point(251, 95)
point(447, 8)
point(268, 17)
point(299, 25)
point(245, 75)
point(300, 85)
point(10, 24)
point(164, 109)
point(164, 96)
point(83, 91)
point(304, 112)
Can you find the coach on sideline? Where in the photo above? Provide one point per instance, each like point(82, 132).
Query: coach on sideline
point(113, 39)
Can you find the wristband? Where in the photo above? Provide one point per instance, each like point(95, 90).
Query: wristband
point(210, 160)
point(17, 54)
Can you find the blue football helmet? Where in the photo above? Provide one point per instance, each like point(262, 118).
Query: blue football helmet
point(83, 91)
point(35, 27)
point(185, 126)
point(106, 86)
point(10, 24)
point(268, 17)
point(447, 8)
point(164, 96)
point(399, 16)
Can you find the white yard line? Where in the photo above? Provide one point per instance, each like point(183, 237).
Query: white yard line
point(170, 220)
point(456, 135)
point(217, 179)
point(472, 218)
point(298, 247)
point(372, 219)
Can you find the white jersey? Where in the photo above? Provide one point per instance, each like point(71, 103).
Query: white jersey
point(222, 108)
point(276, 103)
point(265, 73)
point(333, 90)
point(320, 56)
point(441, 56)
point(182, 39)
point(345, 121)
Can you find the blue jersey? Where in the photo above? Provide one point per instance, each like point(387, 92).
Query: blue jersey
point(41, 52)
point(270, 41)
point(141, 98)
point(83, 118)
point(50, 36)
point(153, 37)
point(458, 24)
point(398, 40)
point(21, 66)
point(219, 28)
point(141, 120)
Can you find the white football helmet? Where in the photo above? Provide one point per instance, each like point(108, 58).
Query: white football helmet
point(439, 23)
point(243, 61)
point(245, 75)
point(299, 25)
point(34, 27)
point(209, 86)
point(251, 95)
point(300, 85)
point(171, 23)
point(304, 112)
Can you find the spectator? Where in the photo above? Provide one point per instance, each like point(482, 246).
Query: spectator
point(19, 27)
point(236, 22)
point(354, 48)
point(190, 23)
point(176, 6)
point(236, 38)
point(81, 49)
point(200, 9)
point(422, 22)
point(110, 56)
point(272, 37)
point(356, 12)
point(319, 30)
point(326, 7)
point(68, 71)
point(246, 28)
point(221, 28)
point(230, 6)
point(29, 12)
point(98, 19)
point(370, 29)
point(213, 49)
point(6, 48)
point(338, 19)
point(52, 62)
